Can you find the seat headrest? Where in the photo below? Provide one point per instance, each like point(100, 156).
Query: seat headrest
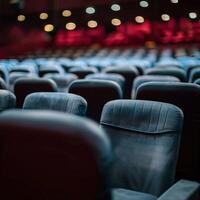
point(146, 117)
point(169, 87)
point(36, 81)
point(7, 100)
point(64, 102)
point(93, 83)
point(151, 78)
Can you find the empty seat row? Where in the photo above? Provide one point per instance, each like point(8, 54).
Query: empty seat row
point(58, 156)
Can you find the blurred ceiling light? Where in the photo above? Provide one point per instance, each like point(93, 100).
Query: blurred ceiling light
point(43, 16)
point(70, 26)
point(92, 24)
point(115, 7)
point(150, 44)
point(21, 18)
point(66, 13)
point(144, 4)
point(139, 19)
point(116, 22)
point(49, 28)
point(90, 10)
point(165, 17)
point(192, 15)
point(174, 1)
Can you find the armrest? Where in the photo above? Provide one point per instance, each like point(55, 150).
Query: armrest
point(182, 190)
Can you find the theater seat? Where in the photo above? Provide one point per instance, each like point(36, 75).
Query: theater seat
point(3, 85)
point(195, 74)
point(171, 71)
point(145, 137)
point(54, 156)
point(62, 81)
point(25, 86)
point(7, 100)
point(17, 75)
point(96, 93)
point(187, 97)
point(151, 78)
point(82, 72)
point(197, 81)
point(63, 102)
point(110, 77)
point(129, 73)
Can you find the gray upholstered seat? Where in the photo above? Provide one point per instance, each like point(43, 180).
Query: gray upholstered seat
point(151, 78)
point(111, 77)
point(194, 74)
point(129, 73)
point(54, 156)
point(145, 136)
point(170, 71)
point(187, 97)
point(7, 100)
point(26, 86)
point(97, 93)
point(81, 72)
point(62, 81)
point(64, 102)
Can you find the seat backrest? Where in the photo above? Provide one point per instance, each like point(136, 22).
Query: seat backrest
point(129, 73)
point(111, 77)
point(83, 72)
point(62, 81)
point(194, 74)
point(96, 93)
point(50, 155)
point(151, 78)
point(145, 137)
point(25, 86)
point(187, 97)
point(3, 85)
point(171, 71)
point(7, 100)
point(17, 75)
point(63, 102)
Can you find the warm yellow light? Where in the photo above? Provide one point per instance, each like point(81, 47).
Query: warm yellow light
point(49, 28)
point(21, 18)
point(43, 16)
point(150, 44)
point(92, 24)
point(139, 19)
point(165, 17)
point(116, 22)
point(70, 26)
point(66, 13)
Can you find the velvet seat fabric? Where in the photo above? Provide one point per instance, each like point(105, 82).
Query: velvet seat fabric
point(63, 102)
point(171, 71)
point(25, 86)
point(112, 77)
point(151, 78)
point(50, 155)
point(145, 137)
point(83, 72)
point(96, 93)
point(7, 100)
point(187, 97)
point(129, 73)
point(62, 81)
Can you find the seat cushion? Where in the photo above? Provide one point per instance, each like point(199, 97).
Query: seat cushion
point(123, 194)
